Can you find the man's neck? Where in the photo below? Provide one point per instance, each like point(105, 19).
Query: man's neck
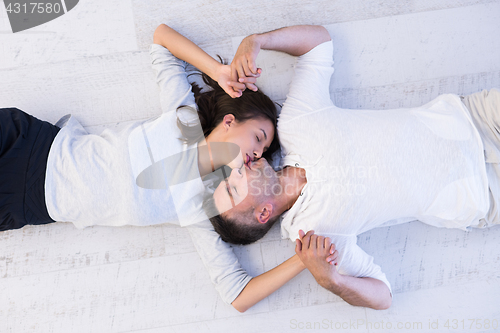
point(292, 182)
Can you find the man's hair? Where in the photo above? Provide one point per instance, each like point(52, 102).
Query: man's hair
point(238, 230)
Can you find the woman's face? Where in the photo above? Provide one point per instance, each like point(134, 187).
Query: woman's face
point(253, 136)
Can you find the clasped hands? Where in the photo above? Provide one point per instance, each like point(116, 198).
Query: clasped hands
point(242, 73)
point(319, 256)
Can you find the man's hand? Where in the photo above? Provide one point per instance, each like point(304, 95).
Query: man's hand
point(226, 82)
point(319, 256)
point(295, 40)
point(243, 67)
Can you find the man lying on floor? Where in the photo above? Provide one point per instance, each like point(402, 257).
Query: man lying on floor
point(345, 172)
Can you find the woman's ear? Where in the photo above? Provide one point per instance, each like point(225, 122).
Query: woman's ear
point(228, 120)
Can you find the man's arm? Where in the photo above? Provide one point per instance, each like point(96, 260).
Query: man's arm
point(295, 40)
point(186, 50)
point(365, 291)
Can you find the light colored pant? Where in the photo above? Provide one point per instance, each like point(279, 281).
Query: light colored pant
point(484, 108)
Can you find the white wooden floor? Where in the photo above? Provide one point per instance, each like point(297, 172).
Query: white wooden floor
point(93, 63)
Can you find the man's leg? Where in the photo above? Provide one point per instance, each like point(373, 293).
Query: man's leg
point(24, 147)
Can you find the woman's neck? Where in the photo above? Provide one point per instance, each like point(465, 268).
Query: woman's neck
point(214, 152)
point(205, 163)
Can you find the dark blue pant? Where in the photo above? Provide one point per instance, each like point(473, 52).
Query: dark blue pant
point(24, 147)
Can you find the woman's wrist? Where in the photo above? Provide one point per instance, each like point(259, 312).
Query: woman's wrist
point(214, 70)
point(299, 262)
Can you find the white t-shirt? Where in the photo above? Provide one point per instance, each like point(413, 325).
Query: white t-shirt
point(95, 179)
point(366, 168)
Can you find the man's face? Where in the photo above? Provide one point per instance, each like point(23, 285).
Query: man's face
point(244, 187)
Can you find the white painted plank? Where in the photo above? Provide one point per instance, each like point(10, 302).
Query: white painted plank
point(328, 318)
point(468, 307)
point(416, 256)
point(416, 47)
point(208, 21)
point(42, 249)
point(96, 90)
point(60, 246)
point(117, 297)
point(91, 28)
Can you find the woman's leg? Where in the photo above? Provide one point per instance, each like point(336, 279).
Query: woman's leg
point(24, 147)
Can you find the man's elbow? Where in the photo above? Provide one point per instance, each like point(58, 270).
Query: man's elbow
point(384, 304)
point(323, 33)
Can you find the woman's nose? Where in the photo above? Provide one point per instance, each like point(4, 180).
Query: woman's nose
point(257, 154)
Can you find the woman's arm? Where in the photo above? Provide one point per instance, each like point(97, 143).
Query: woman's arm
point(267, 283)
point(186, 50)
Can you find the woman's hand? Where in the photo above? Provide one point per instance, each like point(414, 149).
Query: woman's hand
point(314, 251)
point(243, 66)
point(224, 79)
point(184, 49)
point(331, 258)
